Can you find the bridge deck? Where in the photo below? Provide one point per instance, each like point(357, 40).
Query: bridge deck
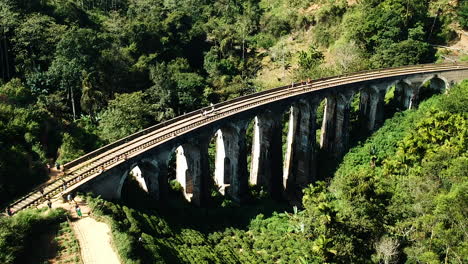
point(90, 165)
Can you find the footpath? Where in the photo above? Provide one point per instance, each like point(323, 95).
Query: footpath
point(93, 236)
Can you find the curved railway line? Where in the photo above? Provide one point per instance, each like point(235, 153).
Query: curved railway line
point(88, 166)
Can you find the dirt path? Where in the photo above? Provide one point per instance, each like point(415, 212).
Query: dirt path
point(93, 236)
point(94, 241)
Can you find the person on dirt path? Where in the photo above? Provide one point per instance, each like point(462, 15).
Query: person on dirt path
point(70, 198)
point(78, 211)
point(49, 203)
point(8, 211)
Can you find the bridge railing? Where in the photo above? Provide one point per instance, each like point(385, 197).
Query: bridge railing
point(153, 128)
point(148, 130)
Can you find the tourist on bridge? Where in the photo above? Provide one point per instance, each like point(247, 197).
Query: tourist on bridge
point(64, 185)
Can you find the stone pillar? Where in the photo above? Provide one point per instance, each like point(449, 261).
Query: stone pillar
point(335, 126)
point(193, 170)
point(407, 95)
point(299, 167)
point(156, 175)
point(364, 108)
point(371, 107)
point(328, 124)
point(231, 161)
point(342, 124)
point(414, 99)
point(266, 164)
point(380, 110)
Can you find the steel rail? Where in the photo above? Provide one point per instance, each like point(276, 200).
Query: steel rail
point(109, 161)
point(172, 128)
point(190, 117)
point(178, 120)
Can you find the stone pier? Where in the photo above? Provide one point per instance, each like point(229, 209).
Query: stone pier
point(266, 160)
point(300, 160)
point(335, 125)
point(231, 161)
point(192, 170)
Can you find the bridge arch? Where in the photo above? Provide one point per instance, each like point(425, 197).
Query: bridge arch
point(145, 173)
point(430, 86)
point(436, 82)
point(403, 93)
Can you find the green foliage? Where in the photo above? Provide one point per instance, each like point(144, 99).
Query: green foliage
point(35, 40)
point(69, 149)
point(407, 52)
point(15, 231)
point(309, 62)
point(463, 14)
point(402, 201)
point(15, 93)
point(176, 89)
point(126, 114)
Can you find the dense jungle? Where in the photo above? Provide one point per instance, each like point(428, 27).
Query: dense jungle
point(78, 74)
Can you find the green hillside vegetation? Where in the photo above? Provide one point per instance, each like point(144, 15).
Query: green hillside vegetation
point(76, 74)
point(398, 197)
point(20, 235)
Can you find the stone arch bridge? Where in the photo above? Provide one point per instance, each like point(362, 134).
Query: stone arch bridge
point(104, 170)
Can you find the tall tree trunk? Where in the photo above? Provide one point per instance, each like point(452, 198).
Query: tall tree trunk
point(1, 60)
point(73, 103)
point(6, 57)
point(243, 56)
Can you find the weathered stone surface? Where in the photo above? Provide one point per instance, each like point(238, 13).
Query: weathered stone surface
point(299, 166)
point(266, 159)
point(192, 170)
point(335, 126)
point(231, 161)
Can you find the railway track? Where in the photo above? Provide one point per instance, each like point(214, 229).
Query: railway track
point(90, 165)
